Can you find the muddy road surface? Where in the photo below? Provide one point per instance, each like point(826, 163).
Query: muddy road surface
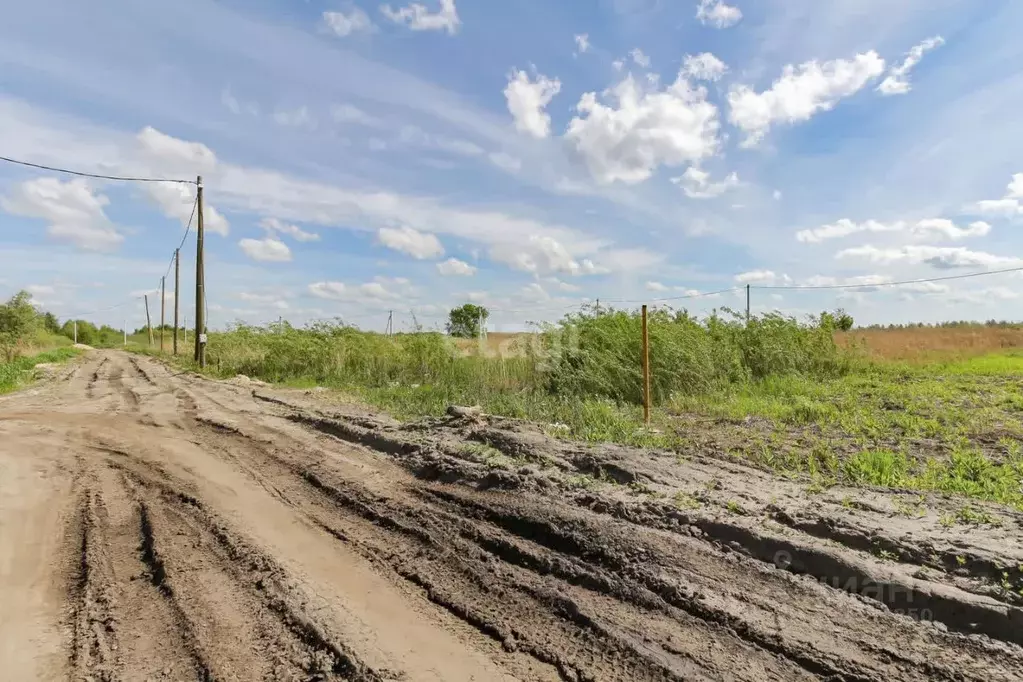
point(155, 525)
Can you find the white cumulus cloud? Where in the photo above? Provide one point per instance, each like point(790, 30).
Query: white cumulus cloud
point(419, 18)
point(419, 245)
point(543, 255)
point(844, 228)
point(175, 157)
point(931, 227)
point(178, 201)
point(765, 277)
point(273, 225)
point(642, 129)
point(697, 184)
point(1007, 206)
point(174, 154)
point(454, 267)
point(947, 228)
point(897, 80)
point(704, 66)
point(380, 290)
point(266, 250)
point(799, 93)
point(656, 286)
point(717, 14)
point(75, 212)
point(528, 100)
point(942, 257)
point(641, 60)
point(344, 25)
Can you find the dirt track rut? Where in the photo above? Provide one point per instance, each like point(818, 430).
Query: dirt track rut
point(156, 525)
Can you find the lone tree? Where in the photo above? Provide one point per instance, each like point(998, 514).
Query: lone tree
point(840, 320)
point(464, 321)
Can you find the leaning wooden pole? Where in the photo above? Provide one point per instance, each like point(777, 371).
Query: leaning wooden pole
point(149, 325)
point(163, 309)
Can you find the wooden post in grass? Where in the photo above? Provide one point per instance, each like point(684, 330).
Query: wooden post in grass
point(646, 370)
point(149, 326)
point(163, 309)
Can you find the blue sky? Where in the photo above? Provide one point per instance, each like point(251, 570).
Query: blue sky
point(361, 157)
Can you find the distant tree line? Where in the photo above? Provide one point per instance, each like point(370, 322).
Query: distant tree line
point(952, 324)
point(23, 325)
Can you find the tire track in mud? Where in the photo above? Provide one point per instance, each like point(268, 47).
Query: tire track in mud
point(955, 609)
point(141, 373)
point(112, 601)
point(517, 625)
point(90, 387)
point(421, 527)
point(982, 570)
point(218, 602)
point(128, 395)
point(834, 576)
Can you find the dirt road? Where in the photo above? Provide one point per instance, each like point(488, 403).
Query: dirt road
point(159, 526)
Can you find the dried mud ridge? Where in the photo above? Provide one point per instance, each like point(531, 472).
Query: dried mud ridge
point(226, 531)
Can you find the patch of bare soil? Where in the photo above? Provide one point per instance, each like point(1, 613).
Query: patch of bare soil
point(157, 525)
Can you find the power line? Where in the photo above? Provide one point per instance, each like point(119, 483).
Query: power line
point(188, 227)
point(861, 285)
point(103, 310)
point(122, 178)
point(702, 294)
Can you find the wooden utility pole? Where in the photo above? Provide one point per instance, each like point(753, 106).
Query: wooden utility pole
point(200, 283)
point(747, 304)
point(646, 370)
point(177, 294)
point(149, 326)
point(163, 309)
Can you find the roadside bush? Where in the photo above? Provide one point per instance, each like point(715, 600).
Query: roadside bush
point(599, 352)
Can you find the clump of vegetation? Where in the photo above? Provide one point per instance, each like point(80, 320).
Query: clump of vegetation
point(597, 352)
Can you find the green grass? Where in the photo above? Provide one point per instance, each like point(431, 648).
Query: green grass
point(18, 373)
